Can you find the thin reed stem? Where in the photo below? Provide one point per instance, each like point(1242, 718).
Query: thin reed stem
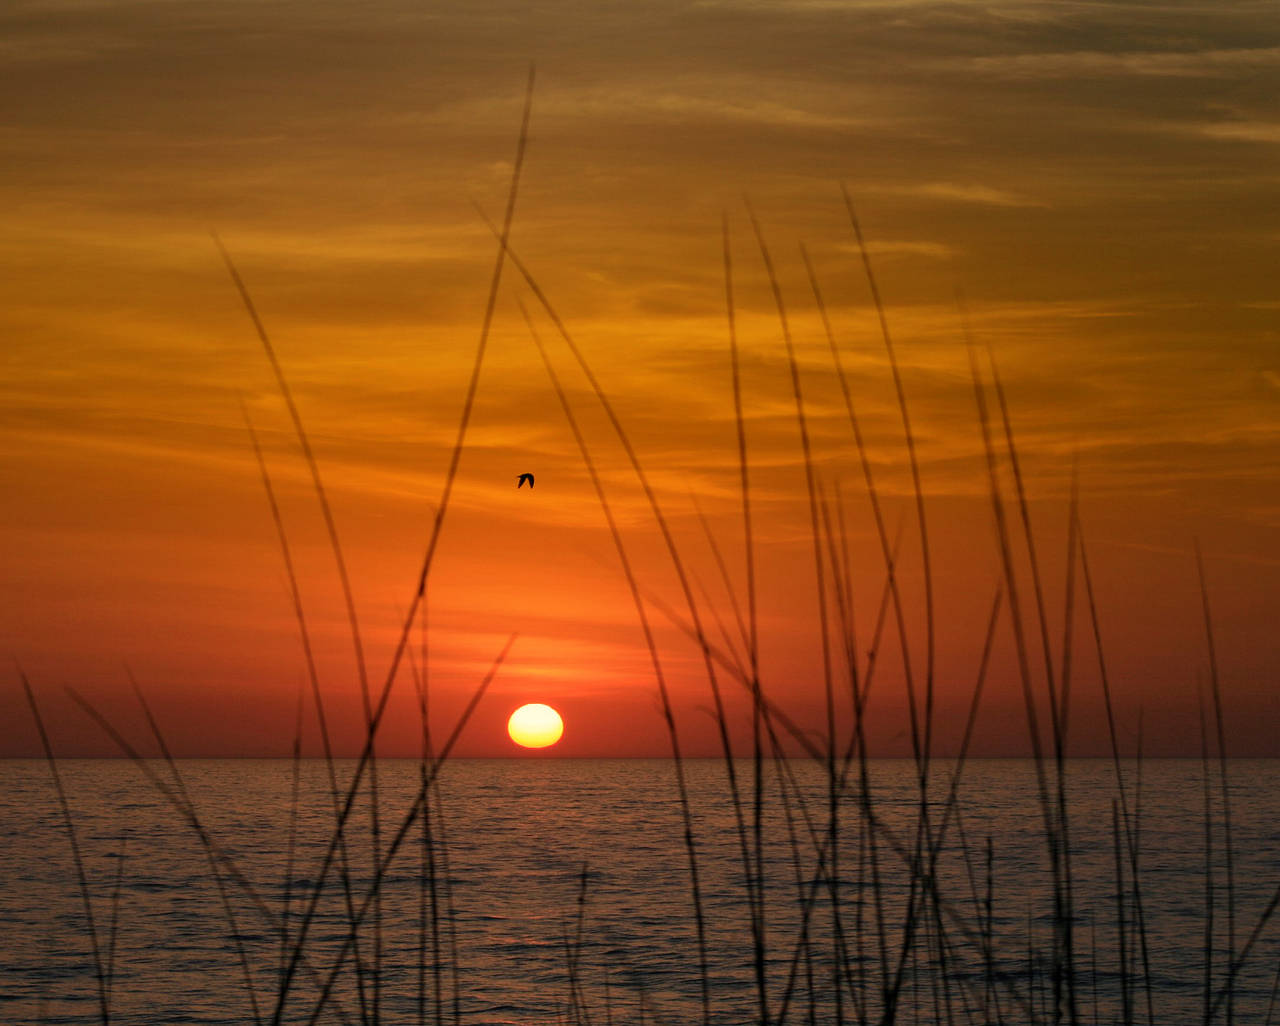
point(651, 647)
point(673, 552)
point(753, 644)
point(269, 918)
point(82, 880)
point(202, 834)
point(428, 896)
point(1060, 854)
point(1208, 861)
point(313, 679)
point(291, 847)
point(417, 807)
point(1224, 783)
point(114, 922)
point(819, 585)
point(424, 573)
point(1130, 826)
point(1122, 945)
point(335, 546)
point(913, 459)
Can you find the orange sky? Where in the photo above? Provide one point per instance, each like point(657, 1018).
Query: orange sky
point(1098, 180)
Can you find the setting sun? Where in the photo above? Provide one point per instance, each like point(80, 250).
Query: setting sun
point(535, 726)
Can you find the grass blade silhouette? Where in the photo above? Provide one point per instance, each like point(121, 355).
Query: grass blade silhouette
point(82, 880)
point(651, 646)
point(428, 558)
point(313, 679)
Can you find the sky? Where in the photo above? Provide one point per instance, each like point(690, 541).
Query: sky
point(1091, 191)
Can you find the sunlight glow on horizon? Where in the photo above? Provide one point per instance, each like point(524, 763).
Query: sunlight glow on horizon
point(1099, 185)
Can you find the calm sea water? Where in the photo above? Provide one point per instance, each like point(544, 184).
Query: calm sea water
point(562, 893)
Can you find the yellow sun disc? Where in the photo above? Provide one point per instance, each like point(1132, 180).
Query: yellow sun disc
point(535, 726)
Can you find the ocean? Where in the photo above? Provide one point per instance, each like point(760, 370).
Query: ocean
point(558, 891)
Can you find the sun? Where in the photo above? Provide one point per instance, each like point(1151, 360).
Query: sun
point(535, 726)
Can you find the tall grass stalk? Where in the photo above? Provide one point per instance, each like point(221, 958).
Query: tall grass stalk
point(820, 587)
point(1049, 820)
point(1130, 825)
point(335, 546)
point(82, 880)
point(1122, 943)
point(428, 892)
point(416, 808)
point(673, 551)
point(651, 646)
point(888, 553)
point(229, 869)
point(922, 739)
point(113, 925)
point(1060, 844)
point(366, 754)
point(753, 642)
point(313, 679)
point(295, 783)
point(193, 817)
point(1206, 778)
point(904, 411)
point(1223, 781)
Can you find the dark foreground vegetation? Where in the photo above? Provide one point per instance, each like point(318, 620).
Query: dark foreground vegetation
point(869, 925)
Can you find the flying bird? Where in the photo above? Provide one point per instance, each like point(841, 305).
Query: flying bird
point(523, 478)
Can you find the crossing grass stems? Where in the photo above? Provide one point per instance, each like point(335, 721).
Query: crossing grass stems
point(872, 948)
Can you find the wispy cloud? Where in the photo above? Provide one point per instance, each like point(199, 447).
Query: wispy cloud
point(962, 192)
point(722, 98)
point(1242, 131)
point(904, 247)
point(59, 47)
point(1099, 177)
point(1083, 63)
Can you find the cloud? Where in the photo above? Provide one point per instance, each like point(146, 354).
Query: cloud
point(766, 112)
point(1242, 131)
point(1083, 63)
point(1071, 168)
point(719, 99)
point(904, 247)
point(971, 193)
point(59, 48)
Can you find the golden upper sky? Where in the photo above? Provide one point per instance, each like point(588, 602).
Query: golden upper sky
point(1099, 182)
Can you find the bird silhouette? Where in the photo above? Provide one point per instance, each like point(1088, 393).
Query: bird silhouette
point(523, 478)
